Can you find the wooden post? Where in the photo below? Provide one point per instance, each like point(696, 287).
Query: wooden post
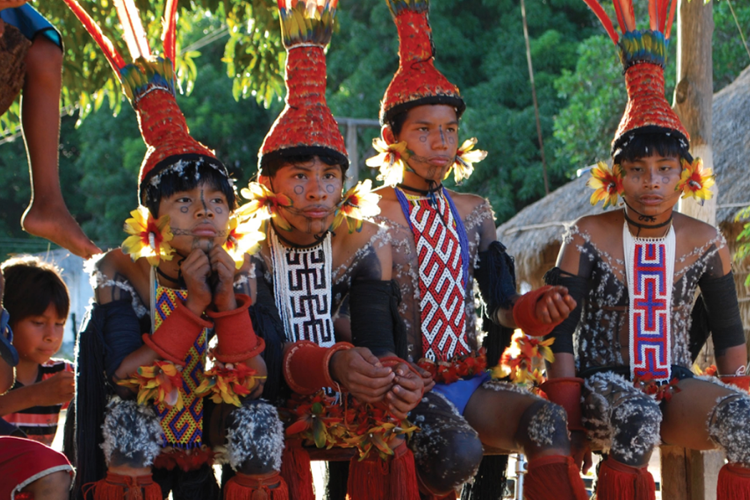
point(688, 474)
point(351, 148)
point(352, 124)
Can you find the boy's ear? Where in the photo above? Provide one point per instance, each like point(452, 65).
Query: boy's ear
point(387, 134)
point(266, 181)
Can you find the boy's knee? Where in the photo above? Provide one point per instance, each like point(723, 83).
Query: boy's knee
point(255, 438)
point(543, 426)
point(636, 422)
point(450, 459)
point(727, 427)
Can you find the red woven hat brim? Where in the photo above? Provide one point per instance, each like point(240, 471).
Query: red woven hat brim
point(417, 81)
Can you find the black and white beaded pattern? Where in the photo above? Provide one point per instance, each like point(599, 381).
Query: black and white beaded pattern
point(302, 289)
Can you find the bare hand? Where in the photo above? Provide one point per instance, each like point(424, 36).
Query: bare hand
point(580, 450)
point(58, 389)
point(195, 270)
point(362, 374)
point(427, 379)
point(222, 265)
point(555, 305)
point(406, 392)
point(259, 365)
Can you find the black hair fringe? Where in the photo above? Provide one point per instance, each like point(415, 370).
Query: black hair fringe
point(489, 483)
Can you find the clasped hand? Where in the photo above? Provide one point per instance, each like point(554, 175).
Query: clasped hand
point(365, 377)
point(209, 277)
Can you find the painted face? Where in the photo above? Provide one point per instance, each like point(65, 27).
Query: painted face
point(315, 189)
point(199, 218)
point(649, 183)
point(38, 338)
point(431, 133)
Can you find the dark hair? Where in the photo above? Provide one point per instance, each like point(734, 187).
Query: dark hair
point(644, 145)
point(189, 176)
point(275, 163)
point(397, 121)
point(32, 286)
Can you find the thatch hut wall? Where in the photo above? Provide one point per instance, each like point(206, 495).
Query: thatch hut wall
point(534, 235)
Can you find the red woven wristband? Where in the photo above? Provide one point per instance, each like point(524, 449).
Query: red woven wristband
point(236, 337)
point(524, 314)
point(177, 333)
point(306, 366)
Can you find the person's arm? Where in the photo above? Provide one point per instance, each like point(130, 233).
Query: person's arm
point(57, 389)
point(719, 296)
point(6, 376)
point(237, 342)
point(496, 278)
point(567, 268)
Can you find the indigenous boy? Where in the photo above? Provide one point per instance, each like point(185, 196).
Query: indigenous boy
point(441, 240)
point(31, 58)
point(30, 470)
point(634, 272)
point(316, 251)
point(37, 301)
point(181, 286)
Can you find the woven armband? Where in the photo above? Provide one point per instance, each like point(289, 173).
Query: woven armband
point(177, 333)
point(234, 330)
point(306, 366)
point(524, 314)
point(566, 392)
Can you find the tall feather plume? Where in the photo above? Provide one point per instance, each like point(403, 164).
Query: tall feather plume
point(653, 15)
point(603, 18)
point(668, 28)
point(625, 14)
point(170, 28)
point(109, 50)
point(132, 29)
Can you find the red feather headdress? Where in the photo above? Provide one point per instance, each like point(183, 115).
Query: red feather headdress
point(417, 81)
point(643, 55)
point(148, 82)
point(306, 126)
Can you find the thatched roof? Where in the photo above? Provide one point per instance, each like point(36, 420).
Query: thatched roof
point(731, 146)
point(534, 235)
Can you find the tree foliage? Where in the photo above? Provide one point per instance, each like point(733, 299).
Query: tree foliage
point(231, 49)
point(252, 49)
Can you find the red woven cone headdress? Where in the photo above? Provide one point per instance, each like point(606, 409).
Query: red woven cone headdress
point(417, 81)
point(306, 126)
point(149, 85)
point(643, 55)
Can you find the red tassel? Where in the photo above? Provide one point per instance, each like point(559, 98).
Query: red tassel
point(403, 475)
point(618, 481)
point(261, 487)
point(295, 469)
point(734, 483)
point(24, 495)
point(554, 477)
point(429, 496)
point(117, 487)
point(376, 479)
